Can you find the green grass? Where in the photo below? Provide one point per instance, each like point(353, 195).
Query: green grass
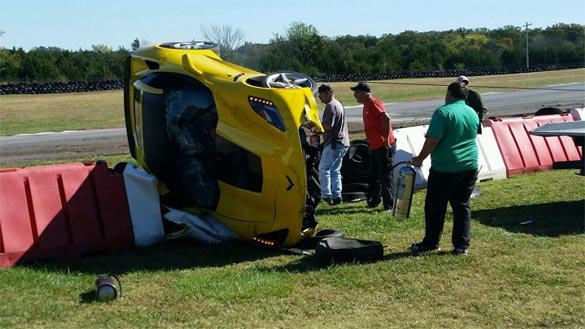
point(524, 270)
point(401, 90)
point(111, 160)
point(21, 114)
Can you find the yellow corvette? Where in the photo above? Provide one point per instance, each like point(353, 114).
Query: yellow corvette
point(224, 139)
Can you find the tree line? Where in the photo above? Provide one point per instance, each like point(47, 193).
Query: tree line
point(303, 48)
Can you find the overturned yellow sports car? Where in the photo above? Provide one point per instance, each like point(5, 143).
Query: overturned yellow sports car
point(224, 139)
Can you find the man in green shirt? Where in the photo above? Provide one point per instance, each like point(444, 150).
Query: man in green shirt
point(451, 143)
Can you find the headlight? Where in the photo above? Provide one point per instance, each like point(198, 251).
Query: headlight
point(267, 111)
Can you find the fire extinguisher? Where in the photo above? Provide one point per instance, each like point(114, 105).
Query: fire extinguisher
point(404, 190)
point(106, 289)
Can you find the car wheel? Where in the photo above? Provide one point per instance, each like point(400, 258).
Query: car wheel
point(343, 250)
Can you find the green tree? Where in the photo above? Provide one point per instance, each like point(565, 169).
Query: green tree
point(250, 54)
point(40, 64)
point(561, 43)
point(296, 50)
point(10, 63)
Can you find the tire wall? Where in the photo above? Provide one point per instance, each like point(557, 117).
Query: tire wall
point(113, 84)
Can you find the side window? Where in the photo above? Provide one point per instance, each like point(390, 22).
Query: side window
point(238, 167)
point(179, 125)
point(191, 119)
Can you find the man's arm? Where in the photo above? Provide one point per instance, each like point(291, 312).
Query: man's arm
point(476, 102)
point(428, 147)
point(327, 120)
point(482, 110)
point(385, 128)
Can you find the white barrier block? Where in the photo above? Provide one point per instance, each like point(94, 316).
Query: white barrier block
point(491, 162)
point(578, 114)
point(143, 201)
point(409, 142)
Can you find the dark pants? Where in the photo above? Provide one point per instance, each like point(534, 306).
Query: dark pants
point(454, 188)
point(381, 177)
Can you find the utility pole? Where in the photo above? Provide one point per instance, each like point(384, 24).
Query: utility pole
point(526, 25)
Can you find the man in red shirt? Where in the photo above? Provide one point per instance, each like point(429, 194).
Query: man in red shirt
point(378, 129)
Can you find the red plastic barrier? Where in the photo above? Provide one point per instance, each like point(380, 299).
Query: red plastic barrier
point(61, 211)
point(523, 152)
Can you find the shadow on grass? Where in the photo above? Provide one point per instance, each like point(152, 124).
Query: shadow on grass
point(548, 219)
point(185, 254)
point(169, 255)
point(309, 264)
point(346, 209)
point(88, 297)
point(313, 263)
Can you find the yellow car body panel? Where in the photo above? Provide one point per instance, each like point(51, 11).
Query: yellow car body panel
point(270, 210)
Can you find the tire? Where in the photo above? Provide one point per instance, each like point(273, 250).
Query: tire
point(343, 250)
point(355, 187)
point(120, 167)
point(311, 242)
point(358, 153)
point(313, 186)
point(328, 233)
point(356, 160)
point(353, 196)
point(548, 111)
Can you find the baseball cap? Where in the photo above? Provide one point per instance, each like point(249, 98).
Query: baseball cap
point(325, 88)
point(462, 79)
point(362, 86)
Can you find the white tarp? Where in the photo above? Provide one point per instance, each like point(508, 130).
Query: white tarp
point(204, 228)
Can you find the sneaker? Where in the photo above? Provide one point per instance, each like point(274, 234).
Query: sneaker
point(388, 210)
point(419, 247)
point(327, 200)
point(459, 251)
point(334, 202)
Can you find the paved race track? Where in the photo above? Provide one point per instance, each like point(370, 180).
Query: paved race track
point(96, 143)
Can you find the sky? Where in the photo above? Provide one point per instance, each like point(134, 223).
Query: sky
point(79, 24)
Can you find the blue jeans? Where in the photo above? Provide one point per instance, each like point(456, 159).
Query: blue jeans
point(329, 170)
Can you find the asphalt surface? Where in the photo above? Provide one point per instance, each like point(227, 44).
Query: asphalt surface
point(92, 144)
point(498, 104)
